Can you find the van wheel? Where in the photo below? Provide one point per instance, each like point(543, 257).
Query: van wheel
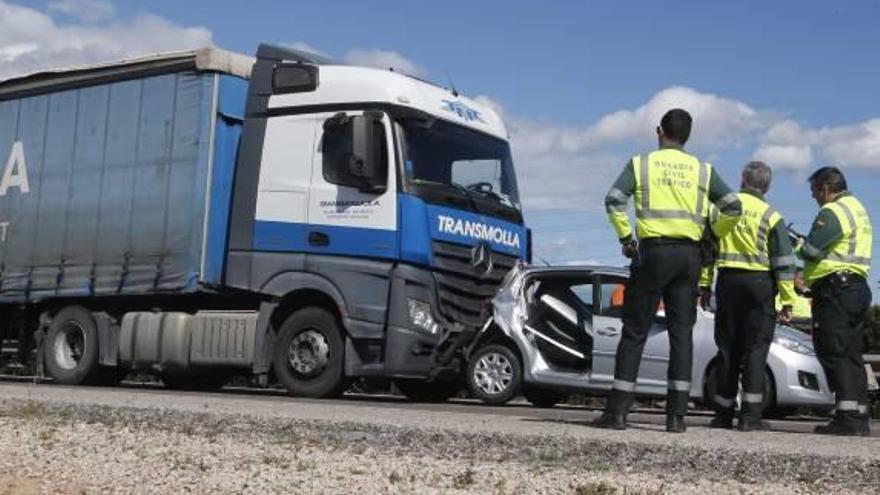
point(308, 355)
point(494, 374)
point(70, 348)
point(542, 398)
point(424, 391)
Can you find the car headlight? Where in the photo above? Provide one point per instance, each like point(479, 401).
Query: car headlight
point(420, 316)
point(794, 345)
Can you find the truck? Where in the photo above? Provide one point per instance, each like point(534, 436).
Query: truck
point(203, 214)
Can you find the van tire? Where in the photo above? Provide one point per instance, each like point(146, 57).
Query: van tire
point(308, 357)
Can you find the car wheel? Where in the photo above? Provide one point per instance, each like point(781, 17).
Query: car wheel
point(710, 389)
point(494, 374)
point(308, 356)
point(70, 351)
point(769, 409)
point(425, 391)
point(542, 398)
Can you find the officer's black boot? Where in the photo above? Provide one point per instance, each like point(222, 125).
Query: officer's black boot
point(750, 418)
point(723, 420)
point(846, 425)
point(675, 424)
point(614, 416)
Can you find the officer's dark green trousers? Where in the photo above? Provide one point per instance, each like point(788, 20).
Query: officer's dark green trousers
point(667, 269)
point(744, 325)
point(839, 310)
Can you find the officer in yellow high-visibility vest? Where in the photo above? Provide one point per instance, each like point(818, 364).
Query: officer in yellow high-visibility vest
point(837, 258)
point(755, 260)
point(673, 191)
point(801, 312)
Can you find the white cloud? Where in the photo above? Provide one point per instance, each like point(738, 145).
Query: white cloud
point(573, 167)
point(789, 145)
point(305, 47)
point(383, 59)
point(31, 40)
point(85, 10)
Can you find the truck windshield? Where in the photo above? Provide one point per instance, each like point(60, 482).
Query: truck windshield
point(447, 163)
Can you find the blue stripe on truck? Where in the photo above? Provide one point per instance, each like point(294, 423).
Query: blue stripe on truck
point(351, 241)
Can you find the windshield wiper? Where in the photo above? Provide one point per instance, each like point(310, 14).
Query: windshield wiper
point(466, 192)
point(460, 191)
point(502, 198)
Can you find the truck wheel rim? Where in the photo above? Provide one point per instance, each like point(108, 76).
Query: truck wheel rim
point(69, 345)
point(493, 373)
point(309, 353)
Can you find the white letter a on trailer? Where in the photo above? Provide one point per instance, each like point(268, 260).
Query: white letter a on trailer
point(15, 174)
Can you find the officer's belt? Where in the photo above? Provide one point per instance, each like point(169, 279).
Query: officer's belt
point(743, 271)
point(838, 279)
point(667, 241)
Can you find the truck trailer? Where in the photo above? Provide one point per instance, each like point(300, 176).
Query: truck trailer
point(204, 214)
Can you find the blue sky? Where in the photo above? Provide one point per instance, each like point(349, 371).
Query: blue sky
point(580, 84)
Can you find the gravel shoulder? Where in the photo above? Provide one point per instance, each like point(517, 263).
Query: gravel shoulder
point(72, 440)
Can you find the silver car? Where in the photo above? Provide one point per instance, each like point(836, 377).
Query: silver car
point(555, 330)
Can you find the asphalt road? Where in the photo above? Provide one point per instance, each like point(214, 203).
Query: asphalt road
point(562, 414)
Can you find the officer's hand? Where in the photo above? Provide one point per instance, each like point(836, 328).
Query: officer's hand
point(705, 297)
point(630, 249)
point(785, 314)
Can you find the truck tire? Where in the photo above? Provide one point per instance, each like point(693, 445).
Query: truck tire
point(494, 374)
point(70, 350)
point(425, 391)
point(308, 355)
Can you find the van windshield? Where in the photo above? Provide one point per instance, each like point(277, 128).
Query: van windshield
point(448, 163)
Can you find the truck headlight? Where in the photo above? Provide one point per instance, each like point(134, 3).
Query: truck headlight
point(794, 345)
point(420, 316)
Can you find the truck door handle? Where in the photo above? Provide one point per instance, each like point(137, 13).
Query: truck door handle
point(608, 332)
point(319, 239)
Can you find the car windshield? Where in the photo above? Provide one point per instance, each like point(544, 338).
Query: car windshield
point(444, 162)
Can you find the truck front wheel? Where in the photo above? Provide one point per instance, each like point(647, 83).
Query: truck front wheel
point(70, 350)
point(308, 355)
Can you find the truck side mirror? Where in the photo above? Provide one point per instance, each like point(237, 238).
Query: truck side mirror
point(355, 153)
point(368, 162)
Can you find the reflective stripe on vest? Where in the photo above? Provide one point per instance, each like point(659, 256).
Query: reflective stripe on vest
point(852, 252)
point(746, 246)
point(850, 256)
point(683, 198)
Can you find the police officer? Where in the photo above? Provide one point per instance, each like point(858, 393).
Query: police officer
point(754, 259)
point(837, 256)
point(672, 191)
point(801, 313)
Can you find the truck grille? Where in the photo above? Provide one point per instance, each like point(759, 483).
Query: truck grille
point(463, 288)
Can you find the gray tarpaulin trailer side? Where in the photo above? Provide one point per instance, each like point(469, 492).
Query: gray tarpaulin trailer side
point(114, 203)
point(119, 176)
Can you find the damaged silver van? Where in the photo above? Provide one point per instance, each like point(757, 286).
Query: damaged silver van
point(554, 331)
